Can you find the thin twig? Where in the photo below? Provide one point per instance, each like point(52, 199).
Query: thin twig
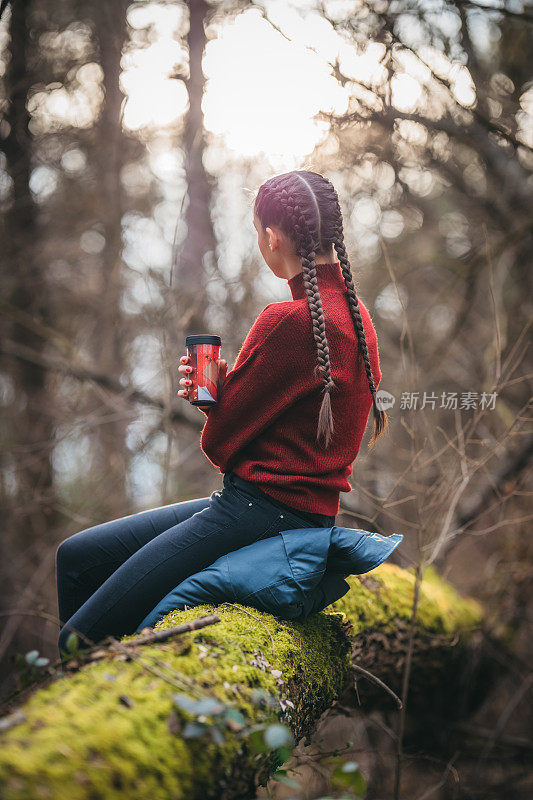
point(161, 636)
point(497, 331)
point(440, 784)
point(175, 679)
point(377, 680)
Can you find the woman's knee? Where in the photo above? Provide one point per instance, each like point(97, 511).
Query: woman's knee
point(63, 555)
point(72, 550)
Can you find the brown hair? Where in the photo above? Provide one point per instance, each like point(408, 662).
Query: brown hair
point(305, 206)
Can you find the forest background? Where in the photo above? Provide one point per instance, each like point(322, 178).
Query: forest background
point(133, 137)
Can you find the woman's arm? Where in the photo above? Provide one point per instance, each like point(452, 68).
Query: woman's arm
point(266, 378)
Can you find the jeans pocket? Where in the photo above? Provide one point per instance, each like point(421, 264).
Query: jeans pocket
point(227, 509)
point(232, 488)
point(292, 518)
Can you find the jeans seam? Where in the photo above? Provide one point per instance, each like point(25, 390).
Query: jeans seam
point(240, 515)
point(101, 564)
point(108, 609)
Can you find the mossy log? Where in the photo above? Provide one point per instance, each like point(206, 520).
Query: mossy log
point(113, 729)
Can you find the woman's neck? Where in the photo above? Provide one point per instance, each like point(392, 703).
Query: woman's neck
point(329, 276)
point(293, 266)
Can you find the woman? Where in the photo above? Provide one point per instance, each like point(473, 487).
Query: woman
point(287, 427)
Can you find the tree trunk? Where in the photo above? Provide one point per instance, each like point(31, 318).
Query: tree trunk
point(113, 729)
point(25, 288)
point(28, 498)
point(199, 239)
point(108, 343)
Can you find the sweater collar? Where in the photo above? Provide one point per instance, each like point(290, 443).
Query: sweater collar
point(329, 277)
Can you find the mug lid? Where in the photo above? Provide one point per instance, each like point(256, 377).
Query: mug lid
point(202, 338)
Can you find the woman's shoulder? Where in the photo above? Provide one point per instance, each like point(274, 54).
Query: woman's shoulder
point(292, 313)
point(288, 315)
point(274, 314)
point(275, 321)
point(281, 308)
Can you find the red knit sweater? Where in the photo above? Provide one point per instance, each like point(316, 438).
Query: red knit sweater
point(264, 426)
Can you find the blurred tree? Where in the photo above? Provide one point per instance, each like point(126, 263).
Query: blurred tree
point(26, 293)
point(28, 492)
point(199, 242)
point(109, 337)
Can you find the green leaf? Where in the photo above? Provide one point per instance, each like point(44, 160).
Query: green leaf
point(257, 742)
point(208, 705)
point(216, 735)
point(236, 718)
point(350, 766)
point(281, 776)
point(193, 730)
point(32, 656)
point(72, 642)
point(348, 775)
point(185, 702)
point(278, 735)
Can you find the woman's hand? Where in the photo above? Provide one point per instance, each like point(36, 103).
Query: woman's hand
point(186, 382)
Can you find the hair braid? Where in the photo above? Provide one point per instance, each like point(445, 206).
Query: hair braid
point(306, 245)
point(305, 206)
point(380, 417)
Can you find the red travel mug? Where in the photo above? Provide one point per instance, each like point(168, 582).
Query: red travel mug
point(203, 350)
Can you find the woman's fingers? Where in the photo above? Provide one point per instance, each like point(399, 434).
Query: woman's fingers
point(185, 382)
point(185, 369)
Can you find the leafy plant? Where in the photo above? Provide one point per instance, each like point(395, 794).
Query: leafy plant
point(262, 737)
point(348, 776)
point(30, 667)
point(72, 647)
point(224, 717)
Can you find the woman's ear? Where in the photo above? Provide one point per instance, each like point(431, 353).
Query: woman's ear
point(272, 239)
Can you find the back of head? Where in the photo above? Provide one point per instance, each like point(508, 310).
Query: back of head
point(305, 206)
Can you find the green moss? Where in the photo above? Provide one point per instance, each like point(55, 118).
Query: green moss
point(387, 592)
point(103, 732)
point(78, 733)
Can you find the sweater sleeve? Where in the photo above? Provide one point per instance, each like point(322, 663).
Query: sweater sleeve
point(265, 379)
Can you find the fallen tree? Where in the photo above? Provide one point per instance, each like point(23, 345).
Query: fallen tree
point(186, 717)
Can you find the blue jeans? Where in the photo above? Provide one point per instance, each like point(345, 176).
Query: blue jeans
point(111, 575)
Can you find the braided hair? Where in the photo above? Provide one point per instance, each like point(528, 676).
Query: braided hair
point(305, 206)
